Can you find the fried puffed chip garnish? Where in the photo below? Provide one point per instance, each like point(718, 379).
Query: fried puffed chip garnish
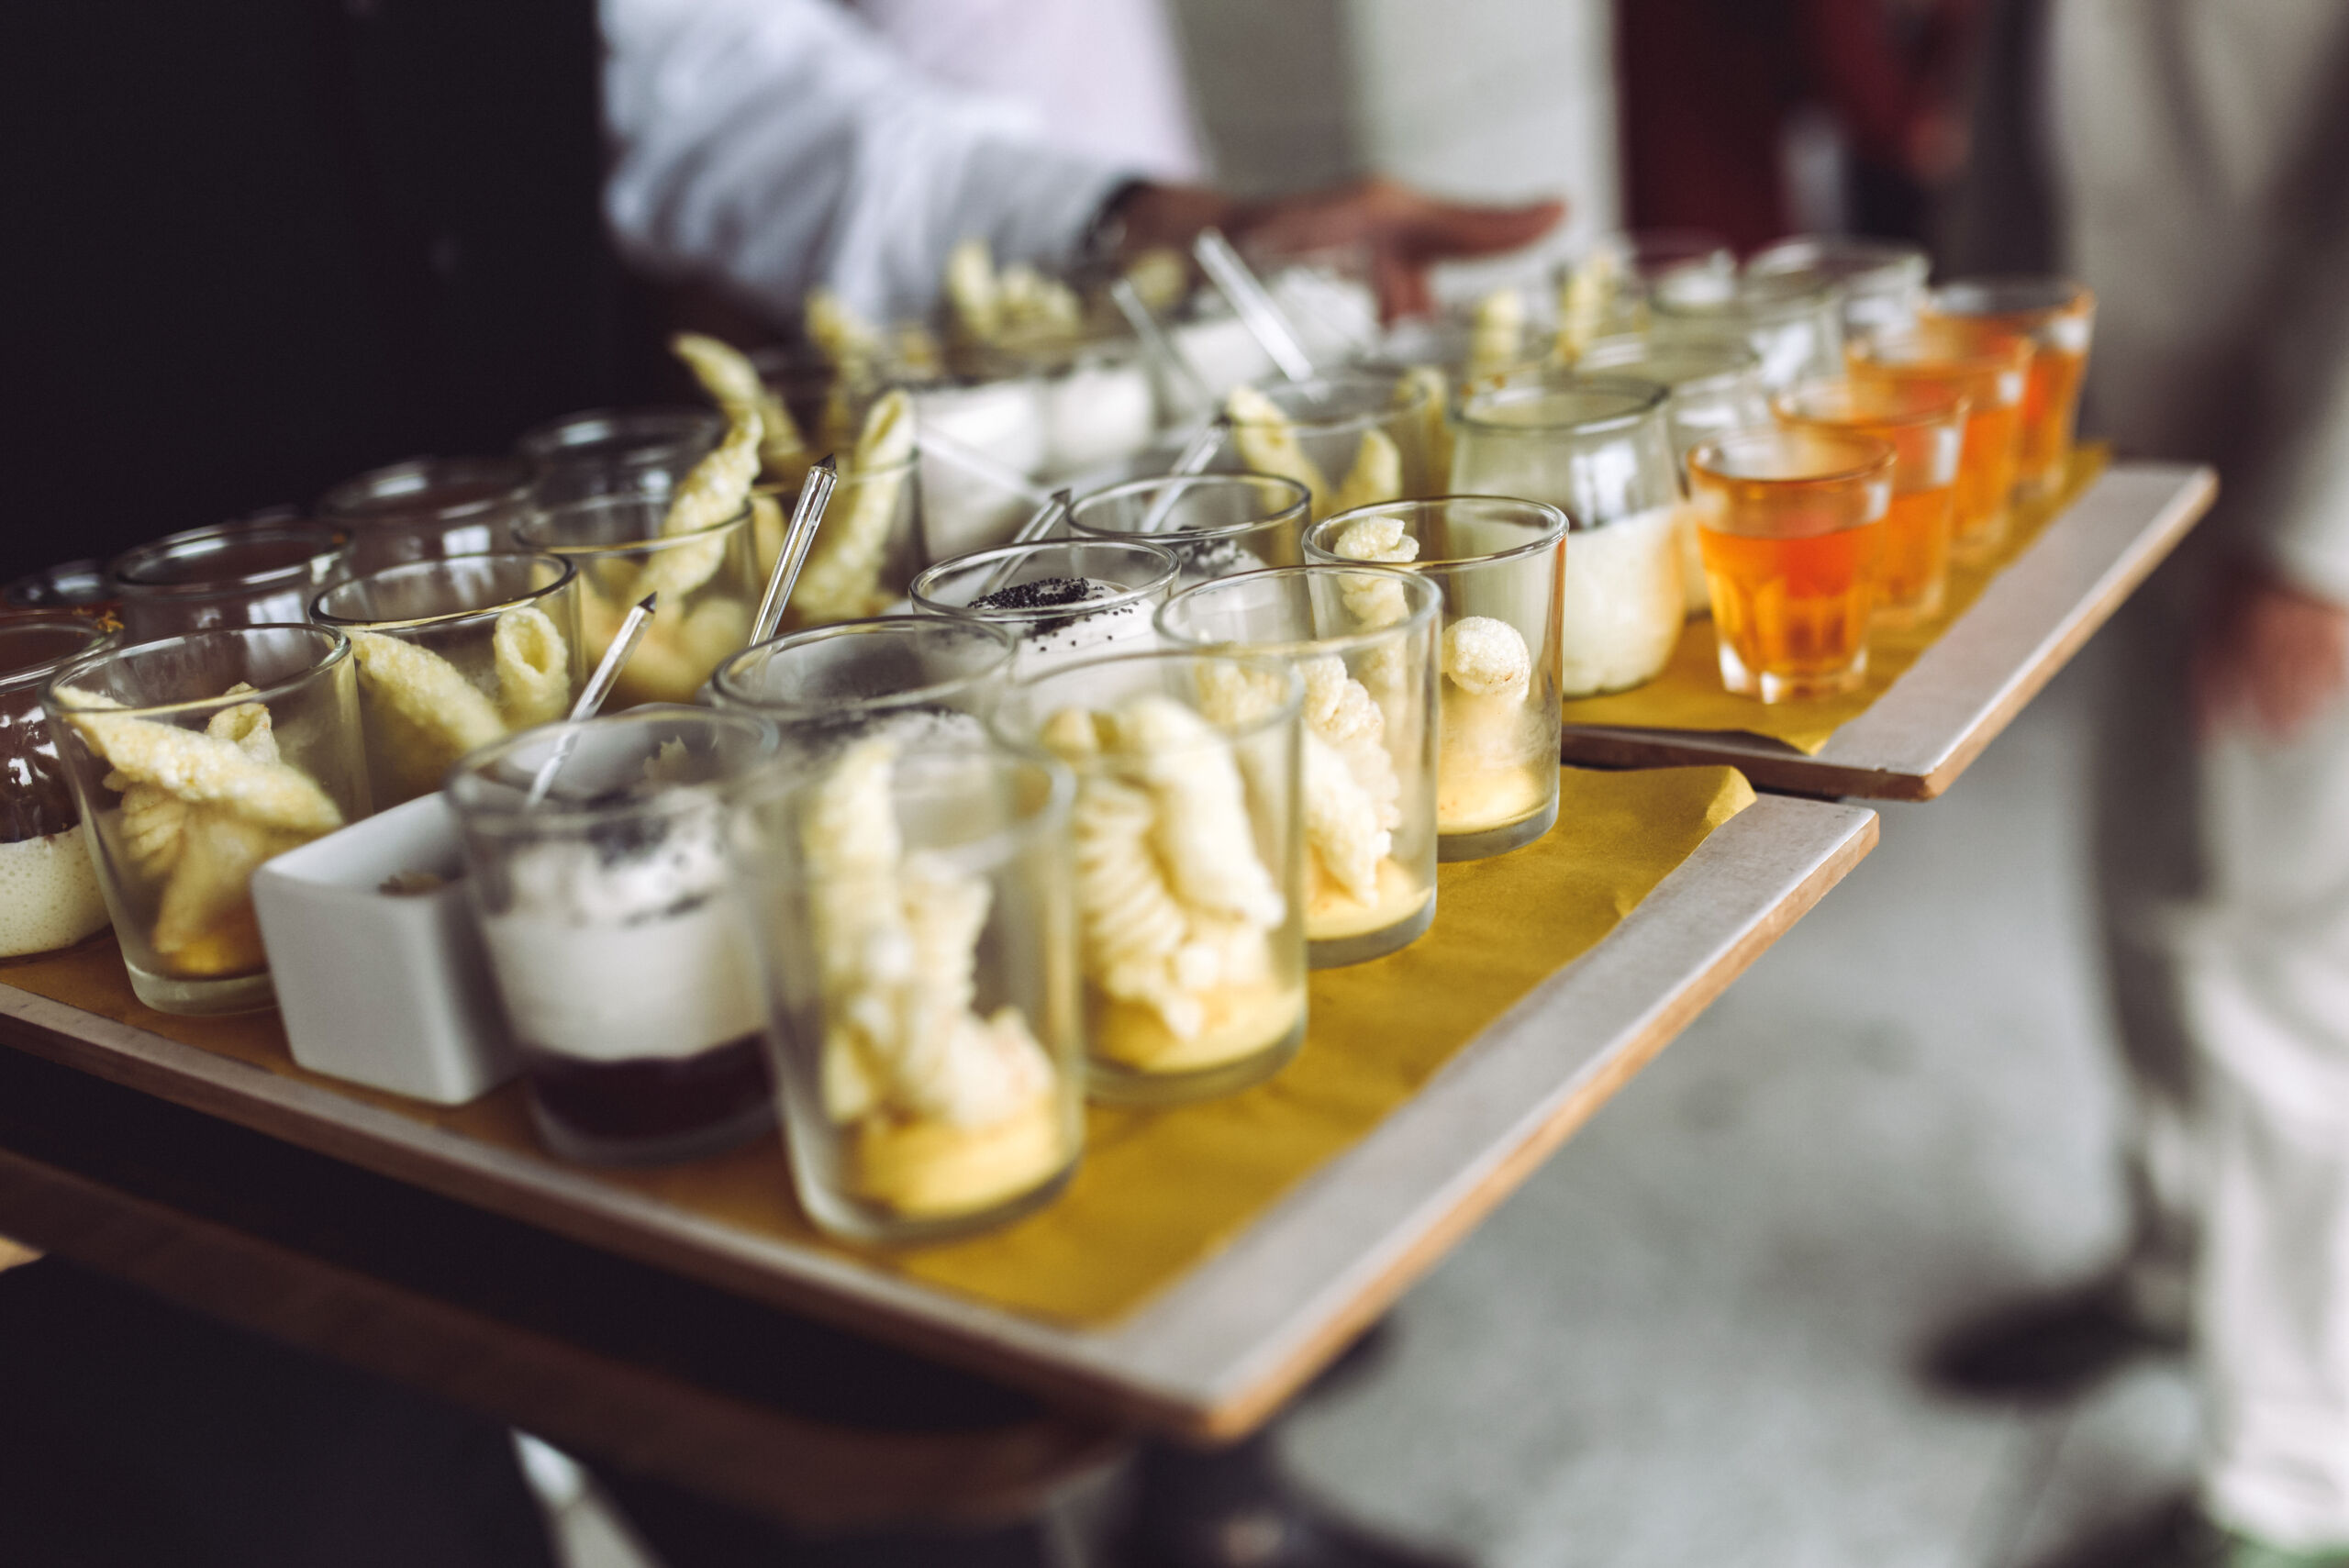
point(201, 768)
point(533, 663)
point(841, 580)
point(1267, 442)
point(429, 693)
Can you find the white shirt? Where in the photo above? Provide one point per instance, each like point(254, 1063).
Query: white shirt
point(773, 145)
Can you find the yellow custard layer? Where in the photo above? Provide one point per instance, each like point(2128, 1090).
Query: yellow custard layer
point(931, 1170)
point(1331, 914)
point(1241, 1021)
point(1472, 797)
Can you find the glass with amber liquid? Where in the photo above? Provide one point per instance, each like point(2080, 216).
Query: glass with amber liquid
point(2058, 316)
point(1989, 367)
point(1792, 526)
point(1925, 426)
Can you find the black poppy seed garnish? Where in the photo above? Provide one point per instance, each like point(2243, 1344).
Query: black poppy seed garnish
point(1044, 594)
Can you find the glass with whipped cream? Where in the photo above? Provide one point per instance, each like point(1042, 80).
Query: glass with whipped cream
point(453, 654)
point(708, 579)
point(428, 507)
point(911, 909)
point(1597, 448)
point(1499, 565)
point(619, 946)
point(1188, 844)
point(193, 760)
point(1354, 438)
point(1215, 524)
point(49, 888)
point(617, 451)
point(1714, 388)
point(911, 672)
point(254, 574)
point(1363, 641)
point(1059, 599)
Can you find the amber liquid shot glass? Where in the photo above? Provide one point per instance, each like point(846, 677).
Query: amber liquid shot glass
point(1792, 525)
point(2059, 317)
point(1990, 368)
point(1925, 426)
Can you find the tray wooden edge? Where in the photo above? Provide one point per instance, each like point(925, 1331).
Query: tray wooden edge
point(1927, 729)
point(1222, 1347)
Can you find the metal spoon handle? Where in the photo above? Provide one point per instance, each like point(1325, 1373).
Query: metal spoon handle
point(815, 494)
point(1159, 344)
point(591, 697)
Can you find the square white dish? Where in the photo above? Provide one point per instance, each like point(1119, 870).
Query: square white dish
point(391, 990)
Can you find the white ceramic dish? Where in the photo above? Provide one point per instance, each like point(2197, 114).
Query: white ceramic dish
point(389, 990)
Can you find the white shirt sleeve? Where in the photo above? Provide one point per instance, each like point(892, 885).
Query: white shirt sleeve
point(773, 145)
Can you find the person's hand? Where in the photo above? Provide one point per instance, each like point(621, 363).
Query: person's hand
point(2267, 654)
point(1403, 230)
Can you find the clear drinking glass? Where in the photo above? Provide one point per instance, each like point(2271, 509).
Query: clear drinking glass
point(233, 574)
point(1060, 599)
point(1880, 283)
point(228, 747)
point(911, 907)
point(1352, 440)
point(1714, 387)
point(48, 889)
point(1793, 322)
point(428, 507)
point(1596, 448)
point(619, 946)
point(491, 645)
point(617, 451)
point(919, 674)
point(1925, 426)
point(69, 586)
point(1499, 565)
point(707, 580)
point(2059, 317)
point(1988, 367)
point(1793, 525)
point(1189, 863)
point(1214, 523)
point(1363, 638)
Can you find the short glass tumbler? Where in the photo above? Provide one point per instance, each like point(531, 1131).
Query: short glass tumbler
point(617, 451)
point(234, 574)
point(1990, 368)
point(1597, 448)
point(619, 946)
point(194, 760)
point(1500, 567)
point(914, 673)
point(1793, 525)
point(1363, 639)
point(1352, 440)
point(1058, 599)
point(1215, 524)
point(1189, 863)
point(49, 888)
point(708, 581)
point(1925, 426)
point(2059, 317)
point(911, 909)
point(454, 654)
point(428, 507)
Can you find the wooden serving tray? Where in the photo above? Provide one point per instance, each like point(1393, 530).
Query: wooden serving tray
point(1927, 728)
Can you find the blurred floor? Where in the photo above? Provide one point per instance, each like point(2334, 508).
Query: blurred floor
point(1689, 1341)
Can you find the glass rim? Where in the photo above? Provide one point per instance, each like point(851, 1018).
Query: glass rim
point(338, 650)
point(1951, 407)
point(566, 573)
point(1761, 296)
point(469, 775)
point(782, 776)
point(349, 502)
point(1339, 381)
point(533, 520)
point(870, 626)
point(2015, 354)
point(1301, 500)
point(1858, 468)
point(2053, 295)
point(1321, 556)
point(540, 443)
point(217, 538)
point(1639, 399)
point(1846, 259)
point(1167, 569)
point(100, 639)
point(1733, 360)
point(1290, 708)
point(1428, 601)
